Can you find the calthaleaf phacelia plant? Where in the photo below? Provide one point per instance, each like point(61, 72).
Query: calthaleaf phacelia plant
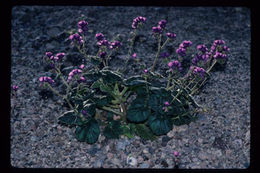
point(147, 104)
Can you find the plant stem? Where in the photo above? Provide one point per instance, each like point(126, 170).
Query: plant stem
point(167, 40)
point(158, 52)
point(122, 105)
point(169, 81)
point(64, 97)
point(111, 110)
point(62, 78)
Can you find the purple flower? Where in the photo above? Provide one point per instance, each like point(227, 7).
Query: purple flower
point(115, 44)
point(162, 23)
point(76, 38)
point(100, 36)
point(198, 71)
point(164, 55)
point(157, 29)
point(185, 44)
point(171, 35)
point(102, 54)
point(145, 71)
point(218, 42)
point(49, 54)
point(83, 26)
point(103, 43)
point(73, 73)
point(82, 66)
point(134, 55)
point(15, 87)
point(166, 103)
point(176, 153)
point(175, 65)
point(58, 56)
point(181, 51)
point(84, 112)
point(200, 57)
point(138, 21)
point(46, 79)
point(219, 55)
point(202, 48)
point(82, 79)
point(225, 48)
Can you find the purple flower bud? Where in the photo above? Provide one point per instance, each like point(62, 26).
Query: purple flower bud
point(181, 51)
point(134, 55)
point(102, 54)
point(60, 55)
point(176, 153)
point(166, 103)
point(48, 54)
point(84, 112)
point(186, 43)
point(15, 87)
point(145, 71)
point(115, 44)
point(175, 65)
point(218, 42)
point(83, 26)
point(162, 23)
point(171, 35)
point(46, 79)
point(82, 79)
point(219, 55)
point(225, 48)
point(82, 66)
point(202, 48)
point(76, 38)
point(103, 43)
point(100, 36)
point(137, 21)
point(199, 71)
point(157, 29)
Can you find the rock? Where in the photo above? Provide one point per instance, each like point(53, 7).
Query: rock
point(164, 164)
point(247, 137)
point(200, 140)
point(171, 133)
point(140, 159)
point(151, 150)
point(92, 151)
point(98, 163)
point(110, 156)
point(203, 156)
point(144, 165)
point(165, 139)
point(131, 161)
point(145, 151)
point(237, 143)
point(116, 161)
point(183, 128)
point(53, 31)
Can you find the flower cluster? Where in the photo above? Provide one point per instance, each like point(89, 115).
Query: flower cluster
point(76, 39)
point(100, 36)
point(15, 87)
point(175, 65)
point(198, 71)
point(46, 79)
point(102, 54)
point(202, 48)
point(218, 50)
point(183, 46)
point(82, 26)
point(161, 25)
point(171, 35)
point(57, 57)
point(200, 58)
point(75, 72)
point(138, 21)
point(219, 55)
point(115, 44)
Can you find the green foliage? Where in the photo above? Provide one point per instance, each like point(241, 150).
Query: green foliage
point(89, 132)
point(144, 132)
point(113, 130)
point(138, 111)
point(160, 124)
point(129, 130)
point(70, 118)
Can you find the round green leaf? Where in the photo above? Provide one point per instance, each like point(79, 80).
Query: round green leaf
point(160, 124)
point(89, 132)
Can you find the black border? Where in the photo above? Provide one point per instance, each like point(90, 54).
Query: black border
point(6, 73)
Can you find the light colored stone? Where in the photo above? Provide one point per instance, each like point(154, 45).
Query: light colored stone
point(145, 151)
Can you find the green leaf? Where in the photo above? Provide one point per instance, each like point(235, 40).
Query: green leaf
point(95, 61)
point(160, 124)
point(144, 132)
point(138, 111)
point(129, 130)
point(135, 81)
point(96, 84)
point(113, 130)
point(90, 108)
point(110, 77)
point(69, 118)
point(102, 100)
point(89, 132)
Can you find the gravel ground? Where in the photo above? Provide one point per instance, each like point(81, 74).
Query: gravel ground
point(218, 139)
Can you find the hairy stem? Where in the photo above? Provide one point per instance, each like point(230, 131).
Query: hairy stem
point(111, 110)
point(158, 52)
